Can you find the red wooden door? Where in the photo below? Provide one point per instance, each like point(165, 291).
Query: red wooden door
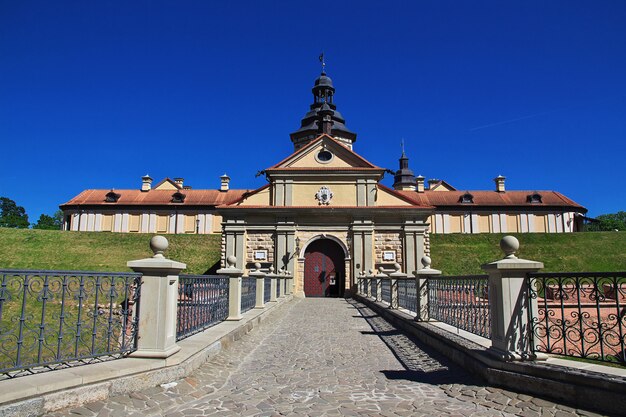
point(322, 277)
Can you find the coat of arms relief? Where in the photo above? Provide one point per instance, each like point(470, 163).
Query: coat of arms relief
point(324, 195)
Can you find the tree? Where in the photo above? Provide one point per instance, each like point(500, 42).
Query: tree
point(12, 215)
point(613, 221)
point(50, 222)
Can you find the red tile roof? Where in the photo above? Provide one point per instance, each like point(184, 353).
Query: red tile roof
point(156, 198)
point(492, 199)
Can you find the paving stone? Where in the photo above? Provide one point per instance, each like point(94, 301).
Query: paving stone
point(327, 357)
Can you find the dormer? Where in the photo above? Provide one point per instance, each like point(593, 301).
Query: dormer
point(534, 198)
point(178, 197)
point(466, 198)
point(112, 197)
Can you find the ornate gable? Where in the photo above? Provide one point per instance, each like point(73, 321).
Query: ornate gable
point(323, 153)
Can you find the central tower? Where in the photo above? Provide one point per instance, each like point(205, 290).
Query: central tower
point(323, 117)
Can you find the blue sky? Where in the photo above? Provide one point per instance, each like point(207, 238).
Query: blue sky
point(97, 94)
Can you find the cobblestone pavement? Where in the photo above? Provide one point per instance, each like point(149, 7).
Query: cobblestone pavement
point(326, 357)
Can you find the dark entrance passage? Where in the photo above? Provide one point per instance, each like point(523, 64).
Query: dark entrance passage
point(324, 269)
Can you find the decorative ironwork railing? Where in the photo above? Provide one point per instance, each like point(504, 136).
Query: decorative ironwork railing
point(407, 294)
point(248, 293)
point(461, 301)
point(374, 285)
point(267, 288)
point(579, 314)
point(363, 286)
point(202, 303)
point(386, 291)
point(58, 319)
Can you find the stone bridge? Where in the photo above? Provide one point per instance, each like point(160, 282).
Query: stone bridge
point(325, 357)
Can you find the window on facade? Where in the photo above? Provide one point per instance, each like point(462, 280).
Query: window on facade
point(324, 156)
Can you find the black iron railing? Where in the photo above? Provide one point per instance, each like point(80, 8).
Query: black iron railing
point(386, 291)
point(374, 287)
point(461, 301)
point(278, 287)
point(248, 293)
point(267, 290)
point(579, 314)
point(202, 303)
point(407, 294)
point(57, 319)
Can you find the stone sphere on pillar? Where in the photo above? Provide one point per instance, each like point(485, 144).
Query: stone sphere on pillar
point(509, 245)
point(257, 265)
point(158, 244)
point(426, 261)
point(231, 261)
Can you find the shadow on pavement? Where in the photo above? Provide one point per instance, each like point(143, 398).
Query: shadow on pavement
point(421, 362)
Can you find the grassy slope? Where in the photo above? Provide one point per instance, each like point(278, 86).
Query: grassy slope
point(92, 251)
point(591, 251)
point(453, 254)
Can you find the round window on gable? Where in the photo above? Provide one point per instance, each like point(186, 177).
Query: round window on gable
point(324, 156)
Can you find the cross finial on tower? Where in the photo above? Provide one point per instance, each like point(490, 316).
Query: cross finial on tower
point(323, 63)
point(402, 145)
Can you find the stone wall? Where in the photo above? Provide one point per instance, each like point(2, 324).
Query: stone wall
point(384, 241)
point(260, 241)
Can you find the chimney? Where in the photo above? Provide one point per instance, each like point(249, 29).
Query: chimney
point(420, 183)
point(179, 182)
point(146, 183)
point(499, 180)
point(432, 182)
point(225, 180)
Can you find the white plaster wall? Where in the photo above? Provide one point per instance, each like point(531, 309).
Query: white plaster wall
point(551, 223)
point(125, 219)
point(439, 223)
point(523, 220)
point(117, 222)
point(145, 223)
point(446, 223)
point(495, 223)
point(559, 222)
point(152, 223)
point(475, 226)
point(98, 222)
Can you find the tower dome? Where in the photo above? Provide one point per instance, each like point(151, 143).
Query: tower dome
point(322, 117)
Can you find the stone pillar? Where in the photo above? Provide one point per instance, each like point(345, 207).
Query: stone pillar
point(235, 239)
point(511, 333)
point(395, 276)
point(158, 302)
point(260, 285)
point(362, 244)
point(282, 283)
point(413, 244)
point(289, 283)
point(234, 288)
point(421, 286)
point(273, 277)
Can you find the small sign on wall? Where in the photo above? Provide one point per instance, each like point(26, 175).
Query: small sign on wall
point(260, 255)
point(389, 255)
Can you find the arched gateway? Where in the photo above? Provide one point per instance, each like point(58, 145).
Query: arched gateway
point(324, 272)
point(329, 198)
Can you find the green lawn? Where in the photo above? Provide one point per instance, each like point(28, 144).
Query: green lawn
point(99, 251)
point(590, 251)
point(453, 254)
